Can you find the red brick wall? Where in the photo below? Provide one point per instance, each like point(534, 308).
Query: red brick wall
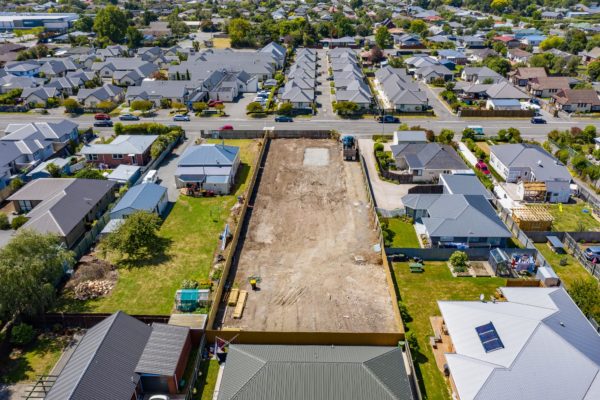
point(183, 360)
point(142, 159)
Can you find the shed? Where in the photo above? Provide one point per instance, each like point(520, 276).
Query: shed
point(41, 171)
point(189, 299)
point(164, 359)
point(555, 244)
point(148, 197)
point(125, 174)
point(196, 322)
point(533, 218)
point(500, 262)
point(547, 276)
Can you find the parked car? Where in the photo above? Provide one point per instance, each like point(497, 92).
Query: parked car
point(151, 176)
point(260, 100)
point(212, 103)
point(159, 397)
point(129, 117)
point(283, 118)
point(263, 95)
point(478, 129)
point(226, 128)
point(538, 120)
point(101, 117)
point(482, 166)
point(592, 252)
point(103, 123)
point(181, 117)
point(388, 119)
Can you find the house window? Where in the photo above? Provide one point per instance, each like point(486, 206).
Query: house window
point(25, 205)
point(117, 156)
point(93, 157)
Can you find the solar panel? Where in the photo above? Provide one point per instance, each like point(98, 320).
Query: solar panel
point(489, 337)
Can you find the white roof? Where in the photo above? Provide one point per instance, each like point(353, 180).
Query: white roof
point(550, 350)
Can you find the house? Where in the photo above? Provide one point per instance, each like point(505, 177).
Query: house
point(9, 52)
point(63, 206)
point(121, 358)
point(518, 55)
point(157, 29)
point(591, 55)
point(118, 65)
point(91, 97)
point(533, 40)
point(426, 161)
point(466, 184)
point(472, 42)
point(148, 197)
point(451, 220)
point(494, 346)
point(552, 15)
point(509, 41)
point(297, 372)
point(522, 75)
point(505, 91)
point(482, 75)
point(125, 174)
point(408, 41)
point(39, 95)
point(23, 68)
point(430, 73)
point(576, 100)
point(503, 104)
point(401, 137)
point(548, 86)
point(157, 91)
point(209, 166)
point(456, 57)
point(124, 149)
point(530, 163)
point(478, 55)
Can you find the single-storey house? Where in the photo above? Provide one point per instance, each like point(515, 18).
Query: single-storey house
point(467, 184)
point(208, 166)
point(63, 206)
point(522, 75)
point(576, 100)
point(426, 161)
point(124, 149)
point(503, 104)
point(548, 85)
point(148, 197)
point(107, 92)
point(450, 220)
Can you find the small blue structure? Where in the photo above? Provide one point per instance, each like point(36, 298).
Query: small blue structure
point(148, 197)
point(125, 174)
point(187, 300)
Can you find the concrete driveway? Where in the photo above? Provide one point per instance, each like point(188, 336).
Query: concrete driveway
point(388, 196)
point(166, 170)
point(237, 109)
point(323, 89)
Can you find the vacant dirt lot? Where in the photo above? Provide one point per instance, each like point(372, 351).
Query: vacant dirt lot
point(309, 222)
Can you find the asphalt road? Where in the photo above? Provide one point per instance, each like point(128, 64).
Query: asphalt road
point(360, 127)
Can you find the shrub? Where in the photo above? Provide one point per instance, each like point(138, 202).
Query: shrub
point(411, 340)
point(141, 105)
point(18, 222)
point(378, 147)
point(285, 109)
point(106, 106)
point(199, 106)
point(22, 334)
point(4, 224)
point(254, 108)
point(458, 260)
point(189, 284)
point(404, 312)
point(16, 184)
point(71, 105)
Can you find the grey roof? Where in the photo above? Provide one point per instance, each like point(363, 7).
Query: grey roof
point(429, 156)
point(65, 202)
point(457, 215)
point(123, 144)
point(551, 351)
point(410, 136)
point(523, 155)
point(102, 366)
point(163, 350)
point(123, 173)
point(505, 90)
point(464, 184)
point(314, 372)
point(209, 155)
point(144, 197)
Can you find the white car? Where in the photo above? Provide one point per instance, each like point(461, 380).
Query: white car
point(159, 397)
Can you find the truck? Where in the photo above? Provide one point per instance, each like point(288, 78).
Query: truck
point(350, 148)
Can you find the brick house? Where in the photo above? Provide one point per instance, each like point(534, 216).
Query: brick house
point(580, 100)
point(125, 149)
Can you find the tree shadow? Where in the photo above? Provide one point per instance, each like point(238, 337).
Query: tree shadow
point(241, 177)
point(156, 256)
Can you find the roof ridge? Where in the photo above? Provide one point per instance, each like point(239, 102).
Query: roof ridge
point(370, 372)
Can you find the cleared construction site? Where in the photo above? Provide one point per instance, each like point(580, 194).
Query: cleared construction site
point(310, 246)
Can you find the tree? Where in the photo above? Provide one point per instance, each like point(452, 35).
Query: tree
point(84, 23)
point(254, 107)
point(16, 184)
point(498, 64)
point(148, 16)
point(71, 106)
point(4, 224)
point(593, 70)
point(219, 107)
point(579, 162)
point(396, 62)
point(110, 24)
point(445, 136)
point(285, 108)
point(141, 105)
point(586, 294)
point(345, 108)
point(499, 5)
point(18, 222)
point(199, 106)
point(134, 37)
point(179, 28)
point(136, 237)
point(53, 170)
point(552, 42)
point(376, 55)
point(89, 173)
point(468, 133)
point(575, 41)
point(417, 26)
point(589, 133)
point(106, 106)
point(459, 260)
point(382, 36)
point(238, 29)
point(31, 265)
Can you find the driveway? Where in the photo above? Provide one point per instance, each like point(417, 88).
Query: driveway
point(323, 89)
point(237, 110)
point(439, 107)
point(388, 196)
point(166, 170)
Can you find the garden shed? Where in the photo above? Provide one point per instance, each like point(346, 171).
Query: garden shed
point(547, 276)
point(500, 262)
point(555, 244)
point(533, 218)
point(188, 300)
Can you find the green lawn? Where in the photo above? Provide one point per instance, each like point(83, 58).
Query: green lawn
point(405, 235)
point(36, 359)
point(572, 218)
point(191, 232)
point(420, 293)
point(205, 385)
point(568, 273)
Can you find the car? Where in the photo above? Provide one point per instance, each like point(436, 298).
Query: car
point(226, 128)
point(283, 118)
point(151, 176)
point(129, 117)
point(212, 103)
point(103, 123)
point(101, 117)
point(592, 253)
point(159, 397)
point(260, 100)
point(482, 166)
point(534, 101)
point(181, 117)
point(538, 120)
point(263, 94)
point(478, 129)
point(388, 119)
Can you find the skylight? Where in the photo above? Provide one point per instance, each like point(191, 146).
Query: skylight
point(489, 337)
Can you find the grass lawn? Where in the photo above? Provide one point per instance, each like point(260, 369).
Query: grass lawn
point(191, 231)
point(568, 273)
point(405, 233)
point(572, 218)
point(205, 385)
point(221, 43)
point(484, 146)
point(420, 293)
point(36, 359)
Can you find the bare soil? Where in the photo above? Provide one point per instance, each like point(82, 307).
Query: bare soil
point(310, 239)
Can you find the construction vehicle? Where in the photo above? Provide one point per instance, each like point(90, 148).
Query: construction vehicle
point(350, 148)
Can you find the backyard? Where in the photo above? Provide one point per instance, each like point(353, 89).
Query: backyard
point(567, 273)
point(191, 232)
point(572, 218)
point(205, 385)
point(419, 292)
point(404, 233)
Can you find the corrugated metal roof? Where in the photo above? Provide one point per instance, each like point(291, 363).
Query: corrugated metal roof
point(163, 350)
point(144, 197)
point(314, 372)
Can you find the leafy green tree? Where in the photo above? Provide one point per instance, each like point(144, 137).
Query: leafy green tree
point(575, 41)
point(71, 106)
point(468, 133)
point(89, 173)
point(499, 5)
point(141, 105)
point(84, 23)
point(382, 36)
point(586, 294)
point(459, 260)
point(106, 106)
point(345, 108)
point(4, 224)
point(136, 237)
point(579, 162)
point(498, 64)
point(18, 222)
point(254, 107)
point(552, 42)
point(285, 108)
point(593, 70)
point(589, 133)
point(445, 136)
point(199, 106)
point(238, 28)
point(134, 37)
point(16, 184)
point(22, 334)
point(396, 62)
point(110, 24)
point(148, 16)
point(417, 26)
point(53, 170)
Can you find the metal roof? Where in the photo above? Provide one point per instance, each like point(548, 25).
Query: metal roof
point(123, 144)
point(464, 184)
point(102, 366)
point(523, 155)
point(144, 197)
point(314, 372)
point(206, 155)
point(163, 350)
